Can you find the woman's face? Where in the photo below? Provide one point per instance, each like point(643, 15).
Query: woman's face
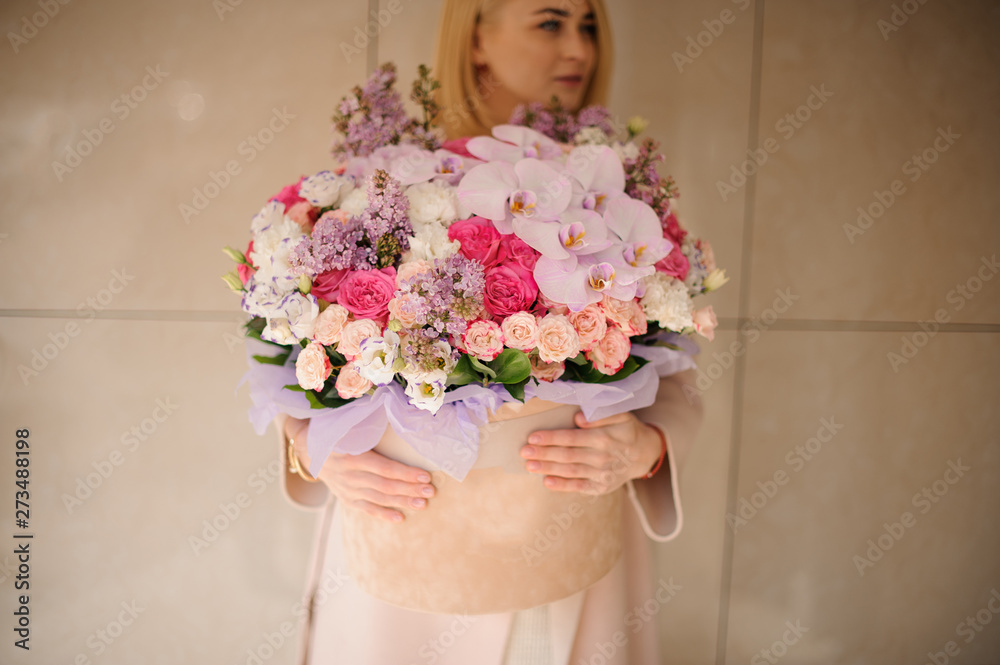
point(534, 49)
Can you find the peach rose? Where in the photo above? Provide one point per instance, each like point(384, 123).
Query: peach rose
point(407, 270)
point(398, 312)
point(483, 339)
point(312, 367)
point(590, 324)
point(303, 214)
point(352, 335)
point(551, 305)
point(557, 339)
point(350, 384)
point(544, 371)
point(705, 322)
point(330, 324)
point(619, 312)
point(611, 352)
point(520, 331)
point(637, 325)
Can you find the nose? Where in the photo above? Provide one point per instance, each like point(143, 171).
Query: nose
point(576, 45)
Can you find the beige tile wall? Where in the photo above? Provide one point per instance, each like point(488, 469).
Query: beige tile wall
point(837, 352)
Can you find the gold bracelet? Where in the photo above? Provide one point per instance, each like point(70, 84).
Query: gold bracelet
point(296, 466)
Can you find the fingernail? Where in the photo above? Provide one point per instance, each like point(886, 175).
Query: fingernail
point(534, 438)
point(418, 503)
point(427, 491)
point(527, 451)
point(424, 478)
point(534, 466)
point(397, 518)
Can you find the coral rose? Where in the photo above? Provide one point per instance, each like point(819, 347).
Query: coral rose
point(350, 384)
point(557, 339)
point(312, 367)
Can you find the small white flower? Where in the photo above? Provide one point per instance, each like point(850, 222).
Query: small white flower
point(666, 301)
point(591, 136)
point(292, 319)
point(355, 203)
point(377, 357)
point(426, 390)
point(271, 214)
point(625, 151)
point(432, 202)
point(325, 188)
point(429, 242)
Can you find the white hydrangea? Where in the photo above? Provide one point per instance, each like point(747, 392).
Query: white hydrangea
point(432, 202)
point(356, 202)
point(666, 301)
point(325, 188)
point(429, 242)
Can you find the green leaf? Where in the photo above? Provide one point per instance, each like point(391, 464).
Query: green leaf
point(511, 366)
point(579, 359)
point(273, 360)
point(516, 390)
point(481, 368)
point(463, 373)
point(589, 374)
point(295, 387)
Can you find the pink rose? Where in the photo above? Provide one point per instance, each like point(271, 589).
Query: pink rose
point(520, 331)
point(674, 264)
point(590, 324)
point(672, 230)
point(611, 352)
point(544, 371)
point(398, 311)
point(366, 293)
point(478, 238)
point(326, 285)
point(330, 324)
point(303, 214)
point(637, 324)
point(705, 322)
point(551, 305)
point(354, 333)
point(457, 146)
point(350, 384)
point(619, 312)
point(483, 339)
point(509, 289)
point(410, 269)
point(289, 196)
point(707, 255)
point(312, 367)
point(243, 270)
point(514, 250)
point(557, 339)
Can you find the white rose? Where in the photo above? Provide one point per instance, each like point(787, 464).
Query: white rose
point(325, 188)
point(355, 203)
point(432, 202)
point(666, 301)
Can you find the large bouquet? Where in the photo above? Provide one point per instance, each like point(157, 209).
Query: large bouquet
point(421, 274)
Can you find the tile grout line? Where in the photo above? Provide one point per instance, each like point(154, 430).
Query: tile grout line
point(739, 370)
point(372, 59)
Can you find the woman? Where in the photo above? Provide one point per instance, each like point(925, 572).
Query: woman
point(492, 56)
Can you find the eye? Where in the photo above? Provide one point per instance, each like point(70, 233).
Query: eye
point(589, 29)
point(551, 25)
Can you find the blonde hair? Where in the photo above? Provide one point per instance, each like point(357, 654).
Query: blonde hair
point(459, 98)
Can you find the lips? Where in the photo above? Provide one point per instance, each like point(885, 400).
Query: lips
point(573, 80)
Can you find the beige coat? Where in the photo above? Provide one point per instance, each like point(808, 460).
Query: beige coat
point(611, 622)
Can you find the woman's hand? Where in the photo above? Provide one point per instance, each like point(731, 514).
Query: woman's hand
point(597, 458)
point(370, 482)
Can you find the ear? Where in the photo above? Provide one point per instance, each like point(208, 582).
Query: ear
point(478, 55)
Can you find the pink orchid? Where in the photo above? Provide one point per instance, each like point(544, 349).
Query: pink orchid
point(593, 277)
point(638, 228)
point(422, 166)
point(515, 143)
point(577, 232)
point(501, 192)
point(599, 171)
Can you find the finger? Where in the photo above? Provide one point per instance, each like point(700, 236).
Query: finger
point(581, 420)
point(388, 486)
point(577, 485)
point(569, 455)
point(380, 512)
point(562, 470)
point(387, 500)
point(380, 465)
point(568, 438)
